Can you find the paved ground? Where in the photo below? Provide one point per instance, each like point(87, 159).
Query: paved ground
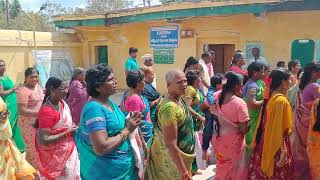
point(207, 174)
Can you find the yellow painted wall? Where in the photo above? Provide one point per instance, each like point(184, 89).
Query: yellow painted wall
point(275, 31)
point(16, 49)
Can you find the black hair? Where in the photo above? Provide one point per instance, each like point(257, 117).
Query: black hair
point(29, 71)
point(1, 60)
point(95, 77)
point(292, 64)
point(255, 67)
point(216, 79)
point(307, 74)
point(316, 126)
point(281, 64)
point(134, 77)
point(278, 76)
point(256, 48)
point(238, 51)
point(133, 50)
point(233, 79)
point(205, 55)
point(52, 83)
point(190, 61)
point(192, 76)
point(236, 57)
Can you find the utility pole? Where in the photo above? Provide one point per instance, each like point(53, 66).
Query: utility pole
point(7, 12)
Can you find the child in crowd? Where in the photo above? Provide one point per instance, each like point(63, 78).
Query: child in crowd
point(216, 85)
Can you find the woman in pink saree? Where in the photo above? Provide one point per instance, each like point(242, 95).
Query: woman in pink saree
point(308, 92)
point(229, 141)
point(58, 155)
point(30, 97)
point(78, 95)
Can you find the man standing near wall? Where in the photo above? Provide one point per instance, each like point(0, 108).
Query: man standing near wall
point(206, 64)
point(131, 62)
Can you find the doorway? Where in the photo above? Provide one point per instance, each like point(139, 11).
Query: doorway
point(102, 54)
point(224, 54)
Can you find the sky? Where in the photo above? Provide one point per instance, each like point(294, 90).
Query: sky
point(36, 4)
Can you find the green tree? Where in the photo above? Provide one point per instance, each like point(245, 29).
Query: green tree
point(95, 6)
point(24, 22)
point(14, 9)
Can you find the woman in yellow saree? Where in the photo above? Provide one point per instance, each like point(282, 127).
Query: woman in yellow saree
point(12, 164)
point(313, 141)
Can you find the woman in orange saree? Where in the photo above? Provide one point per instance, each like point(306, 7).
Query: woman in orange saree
point(313, 141)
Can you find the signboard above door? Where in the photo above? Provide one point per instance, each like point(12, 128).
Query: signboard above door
point(164, 37)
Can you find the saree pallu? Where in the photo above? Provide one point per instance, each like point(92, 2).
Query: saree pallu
point(12, 164)
point(151, 94)
point(230, 150)
point(12, 105)
point(145, 126)
point(160, 164)
point(299, 138)
point(313, 144)
point(59, 160)
point(274, 129)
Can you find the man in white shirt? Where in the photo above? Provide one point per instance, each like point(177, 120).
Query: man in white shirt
point(256, 57)
point(206, 66)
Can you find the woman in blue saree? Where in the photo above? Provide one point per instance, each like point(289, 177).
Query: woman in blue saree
point(102, 138)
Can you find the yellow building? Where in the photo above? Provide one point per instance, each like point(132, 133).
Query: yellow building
point(16, 49)
point(284, 30)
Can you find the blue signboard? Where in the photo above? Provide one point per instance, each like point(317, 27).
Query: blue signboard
point(164, 37)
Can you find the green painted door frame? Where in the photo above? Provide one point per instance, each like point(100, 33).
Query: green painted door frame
point(102, 54)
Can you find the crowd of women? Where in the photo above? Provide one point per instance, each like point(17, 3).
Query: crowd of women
point(262, 123)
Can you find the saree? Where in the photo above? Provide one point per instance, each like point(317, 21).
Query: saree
point(303, 105)
point(258, 88)
point(160, 164)
point(313, 144)
point(59, 160)
point(119, 163)
point(229, 143)
point(151, 94)
point(12, 164)
point(12, 105)
point(140, 104)
point(275, 127)
point(33, 99)
point(78, 96)
point(197, 98)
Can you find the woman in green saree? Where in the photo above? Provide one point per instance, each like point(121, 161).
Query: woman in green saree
point(173, 149)
point(9, 96)
point(253, 94)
